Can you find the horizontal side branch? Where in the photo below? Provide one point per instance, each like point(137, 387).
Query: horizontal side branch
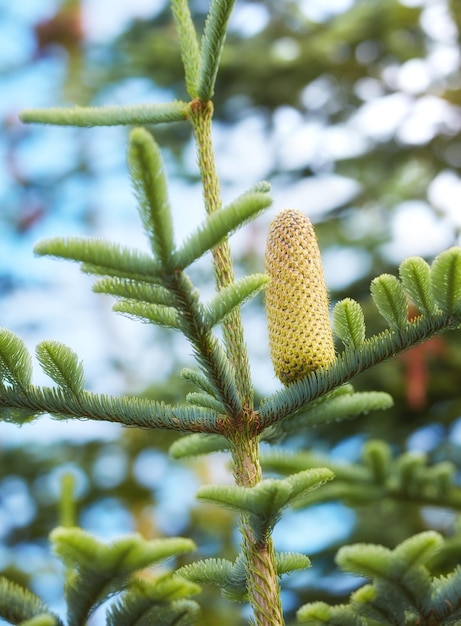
point(125, 410)
point(137, 115)
point(349, 363)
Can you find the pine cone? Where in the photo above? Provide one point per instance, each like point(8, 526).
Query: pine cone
point(300, 335)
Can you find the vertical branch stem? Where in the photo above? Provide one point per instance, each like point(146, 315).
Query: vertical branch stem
point(200, 115)
point(262, 580)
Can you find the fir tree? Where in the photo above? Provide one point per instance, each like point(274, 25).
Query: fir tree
point(223, 413)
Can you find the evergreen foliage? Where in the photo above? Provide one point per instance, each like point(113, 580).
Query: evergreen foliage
point(220, 224)
point(222, 415)
point(265, 502)
point(62, 365)
point(108, 116)
point(415, 275)
point(96, 571)
point(231, 577)
point(214, 35)
point(102, 257)
point(15, 360)
point(233, 296)
point(342, 403)
point(446, 280)
point(400, 574)
point(190, 49)
point(349, 323)
point(389, 297)
point(378, 476)
point(20, 606)
point(151, 191)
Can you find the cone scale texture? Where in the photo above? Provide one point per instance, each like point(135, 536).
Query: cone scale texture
point(300, 336)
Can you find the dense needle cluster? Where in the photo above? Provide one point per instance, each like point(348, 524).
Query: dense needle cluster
point(300, 335)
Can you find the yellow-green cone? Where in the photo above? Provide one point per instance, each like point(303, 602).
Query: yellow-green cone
point(300, 336)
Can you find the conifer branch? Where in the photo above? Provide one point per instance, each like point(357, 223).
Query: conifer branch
point(443, 282)
point(446, 280)
point(206, 400)
point(78, 548)
point(259, 557)
point(214, 36)
point(18, 605)
point(378, 477)
point(231, 577)
point(102, 257)
point(134, 290)
point(351, 362)
point(321, 614)
point(221, 414)
point(389, 296)
point(158, 314)
point(415, 274)
point(264, 502)
point(219, 225)
point(140, 607)
point(186, 312)
point(290, 562)
point(198, 378)
point(172, 301)
point(349, 323)
point(149, 182)
point(96, 571)
point(15, 360)
point(124, 410)
point(342, 403)
point(190, 49)
point(207, 348)
point(402, 590)
point(232, 296)
point(200, 116)
point(220, 573)
point(195, 445)
point(135, 115)
point(61, 364)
